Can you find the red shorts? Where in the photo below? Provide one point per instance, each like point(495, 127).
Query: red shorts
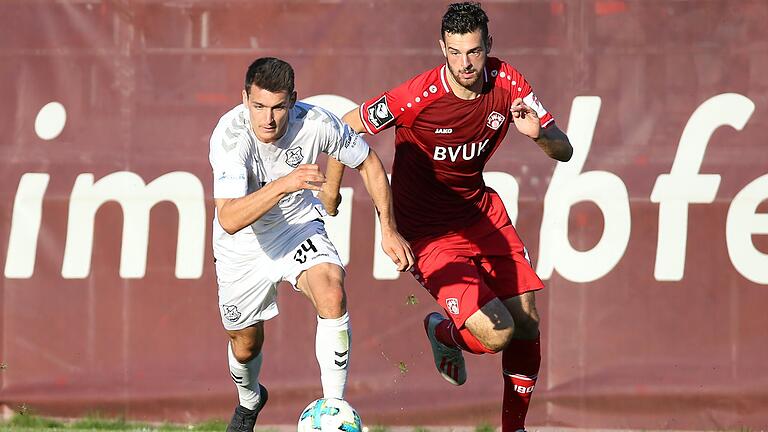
point(464, 270)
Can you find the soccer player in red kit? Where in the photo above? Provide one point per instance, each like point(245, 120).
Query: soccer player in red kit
point(448, 122)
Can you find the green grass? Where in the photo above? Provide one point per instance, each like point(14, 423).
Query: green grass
point(485, 428)
point(24, 422)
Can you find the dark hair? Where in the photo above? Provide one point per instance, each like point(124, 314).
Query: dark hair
point(270, 74)
point(463, 18)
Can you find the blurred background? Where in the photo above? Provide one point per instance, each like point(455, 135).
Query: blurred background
point(652, 241)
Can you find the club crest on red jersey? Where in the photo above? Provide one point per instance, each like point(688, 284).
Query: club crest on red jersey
point(452, 304)
point(495, 120)
point(379, 113)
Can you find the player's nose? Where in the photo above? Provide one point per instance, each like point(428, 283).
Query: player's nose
point(269, 116)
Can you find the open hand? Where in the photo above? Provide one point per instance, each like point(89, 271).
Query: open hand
point(398, 250)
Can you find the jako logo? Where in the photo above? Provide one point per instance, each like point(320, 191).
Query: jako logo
point(443, 130)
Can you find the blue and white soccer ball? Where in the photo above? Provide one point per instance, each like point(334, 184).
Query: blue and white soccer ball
point(326, 415)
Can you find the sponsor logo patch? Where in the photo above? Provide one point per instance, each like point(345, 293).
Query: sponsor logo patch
point(453, 305)
point(350, 140)
point(293, 156)
point(231, 313)
point(443, 130)
point(379, 113)
point(495, 120)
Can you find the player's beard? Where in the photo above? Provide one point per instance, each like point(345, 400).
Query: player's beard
point(464, 82)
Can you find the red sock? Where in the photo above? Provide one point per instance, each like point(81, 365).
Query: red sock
point(448, 335)
point(520, 361)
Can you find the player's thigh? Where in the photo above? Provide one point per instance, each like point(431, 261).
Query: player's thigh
point(246, 295)
point(509, 275)
point(323, 284)
point(314, 268)
point(444, 268)
point(522, 308)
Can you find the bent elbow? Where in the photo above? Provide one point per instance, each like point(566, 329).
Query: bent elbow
point(229, 228)
point(564, 150)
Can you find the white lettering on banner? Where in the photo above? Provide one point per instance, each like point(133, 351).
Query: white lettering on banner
point(673, 191)
point(136, 199)
point(684, 185)
point(741, 224)
point(25, 226)
point(570, 186)
point(339, 227)
point(383, 267)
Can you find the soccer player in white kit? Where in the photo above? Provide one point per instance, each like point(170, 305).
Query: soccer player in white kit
point(268, 227)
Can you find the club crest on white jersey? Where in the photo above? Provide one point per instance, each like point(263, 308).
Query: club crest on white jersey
point(293, 156)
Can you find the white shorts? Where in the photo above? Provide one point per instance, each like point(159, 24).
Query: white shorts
point(248, 294)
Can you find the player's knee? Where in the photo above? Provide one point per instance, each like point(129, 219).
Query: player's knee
point(245, 349)
point(331, 303)
point(496, 340)
point(527, 327)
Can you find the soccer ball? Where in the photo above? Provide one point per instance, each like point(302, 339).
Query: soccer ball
point(326, 415)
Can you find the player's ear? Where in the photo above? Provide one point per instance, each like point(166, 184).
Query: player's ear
point(442, 47)
point(245, 98)
point(488, 44)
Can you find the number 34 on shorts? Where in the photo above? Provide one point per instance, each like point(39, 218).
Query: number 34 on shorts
point(305, 250)
point(316, 249)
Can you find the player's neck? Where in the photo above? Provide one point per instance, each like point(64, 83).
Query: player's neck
point(463, 92)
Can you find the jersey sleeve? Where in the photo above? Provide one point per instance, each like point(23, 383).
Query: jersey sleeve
point(520, 87)
point(401, 105)
point(229, 152)
point(342, 143)
point(377, 114)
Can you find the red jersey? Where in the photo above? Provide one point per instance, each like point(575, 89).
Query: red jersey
point(442, 144)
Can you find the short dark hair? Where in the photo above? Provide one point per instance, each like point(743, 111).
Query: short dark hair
point(270, 74)
point(463, 18)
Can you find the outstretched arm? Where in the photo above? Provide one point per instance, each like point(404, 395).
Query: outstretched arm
point(235, 214)
point(377, 184)
point(334, 172)
point(551, 139)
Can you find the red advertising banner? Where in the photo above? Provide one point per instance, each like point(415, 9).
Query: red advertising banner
point(652, 241)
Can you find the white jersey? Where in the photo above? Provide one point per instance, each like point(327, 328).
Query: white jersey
point(242, 165)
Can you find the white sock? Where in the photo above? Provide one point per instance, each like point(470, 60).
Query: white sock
point(332, 344)
point(246, 378)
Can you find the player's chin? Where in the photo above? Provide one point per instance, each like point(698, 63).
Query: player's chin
point(468, 82)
